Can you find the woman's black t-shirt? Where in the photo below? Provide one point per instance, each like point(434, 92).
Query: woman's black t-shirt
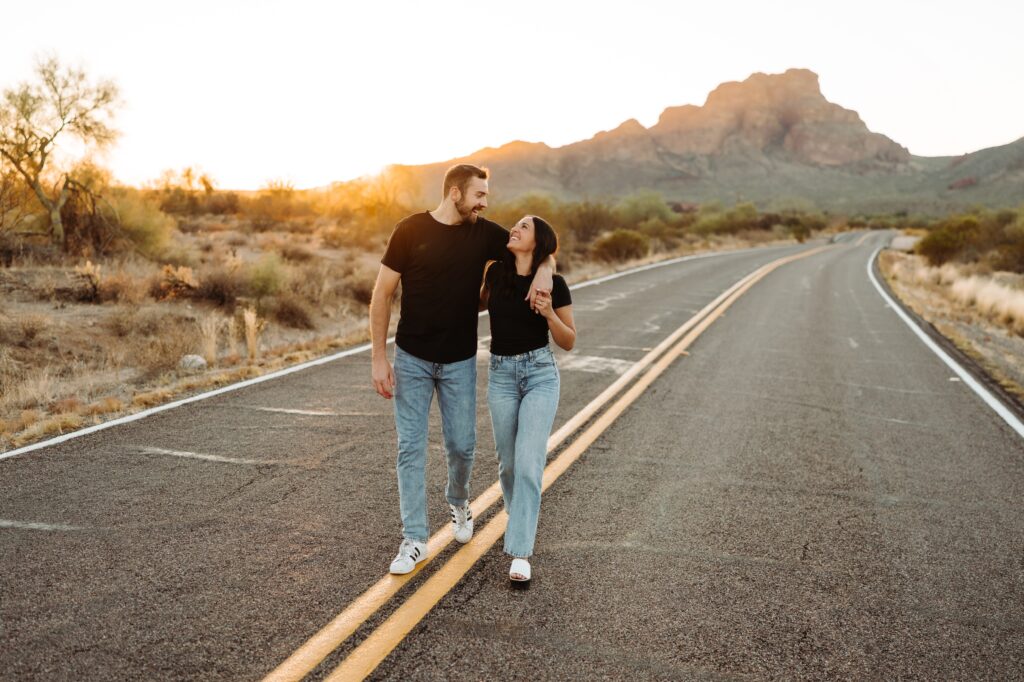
point(515, 328)
point(441, 267)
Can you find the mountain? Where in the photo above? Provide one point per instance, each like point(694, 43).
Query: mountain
point(771, 139)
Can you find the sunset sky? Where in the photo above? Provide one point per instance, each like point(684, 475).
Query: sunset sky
point(313, 92)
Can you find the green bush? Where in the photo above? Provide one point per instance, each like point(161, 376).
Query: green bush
point(585, 220)
point(948, 240)
point(142, 221)
point(643, 206)
point(621, 245)
point(266, 276)
point(736, 219)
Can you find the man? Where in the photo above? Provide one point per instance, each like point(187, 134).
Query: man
point(439, 257)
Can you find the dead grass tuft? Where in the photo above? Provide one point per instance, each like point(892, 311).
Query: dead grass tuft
point(31, 326)
point(151, 398)
point(55, 425)
point(104, 406)
point(67, 405)
point(253, 326)
point(209, 330)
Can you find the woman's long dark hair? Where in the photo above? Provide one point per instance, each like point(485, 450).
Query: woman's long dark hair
point(545, 244)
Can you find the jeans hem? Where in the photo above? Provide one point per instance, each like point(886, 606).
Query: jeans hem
point(518, 556)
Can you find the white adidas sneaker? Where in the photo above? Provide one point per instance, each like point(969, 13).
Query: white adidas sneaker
point(410, 553)
point(462, 522)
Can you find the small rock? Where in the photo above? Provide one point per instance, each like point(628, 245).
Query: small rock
point(192, 362)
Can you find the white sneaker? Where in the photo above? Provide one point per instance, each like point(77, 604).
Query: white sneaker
point(410, 553)
point(462, 522)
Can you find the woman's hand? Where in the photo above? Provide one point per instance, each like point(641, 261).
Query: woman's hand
point(542, 304)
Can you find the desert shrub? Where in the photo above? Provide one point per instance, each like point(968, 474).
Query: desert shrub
point(643, 206)
point(266, 276)
point(221, 286)
point(163, 351)
point(296, 253)
point(291, 311)
point(88, 276)
point(222, 203)
point(361, 289)
point(1009, 257)
point(621, 245)
point(657, 229)
point(122, 322)
point(508, 214)
point(31, 326)
point(175, 282)
point(739, 218)
point(995, 238)
point(948, 240)
point(142, 221)
point(585, 220)
point(120, 287)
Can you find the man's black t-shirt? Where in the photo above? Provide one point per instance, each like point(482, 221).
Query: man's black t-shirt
point(441, 267)
point(515, 328)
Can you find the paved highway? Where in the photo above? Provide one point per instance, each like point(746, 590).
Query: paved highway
point(809, 493)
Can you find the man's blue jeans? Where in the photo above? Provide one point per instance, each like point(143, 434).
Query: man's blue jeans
point(522, 393)
point(415, 383)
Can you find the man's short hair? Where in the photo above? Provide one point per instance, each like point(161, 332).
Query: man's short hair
point(459, 176)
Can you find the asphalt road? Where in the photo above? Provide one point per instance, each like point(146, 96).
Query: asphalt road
point(807, 494)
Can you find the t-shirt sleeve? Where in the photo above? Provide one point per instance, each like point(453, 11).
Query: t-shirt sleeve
point(491, 274)
point(396, 255)
point(560, 296)
point(497, 241)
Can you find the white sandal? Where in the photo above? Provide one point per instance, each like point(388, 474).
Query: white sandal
point(520, 567)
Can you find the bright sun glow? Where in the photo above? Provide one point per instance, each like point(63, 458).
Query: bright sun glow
point(313, 92)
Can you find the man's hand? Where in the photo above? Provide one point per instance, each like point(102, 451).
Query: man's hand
point(383, 377)
point(542, 282)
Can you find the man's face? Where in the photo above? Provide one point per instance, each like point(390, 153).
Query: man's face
point(473, 201)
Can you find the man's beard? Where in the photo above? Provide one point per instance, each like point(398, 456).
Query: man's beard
point(466, 211)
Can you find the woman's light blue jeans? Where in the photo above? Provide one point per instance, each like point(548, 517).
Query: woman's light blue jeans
point(522, 394)
point(415, 383)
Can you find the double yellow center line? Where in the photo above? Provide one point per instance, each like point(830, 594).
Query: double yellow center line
point(368, 655)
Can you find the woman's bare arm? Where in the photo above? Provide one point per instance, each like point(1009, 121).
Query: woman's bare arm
point(563, 328)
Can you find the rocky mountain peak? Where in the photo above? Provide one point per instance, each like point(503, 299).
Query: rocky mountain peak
point(776, 115)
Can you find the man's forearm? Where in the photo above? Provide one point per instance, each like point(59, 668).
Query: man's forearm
point(380, 318)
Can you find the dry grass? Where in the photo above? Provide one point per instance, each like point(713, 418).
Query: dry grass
point(50, 426)
point(107, 405)
point(151, 398)
point(31, 326)
point(252, 332)
point(999, 302)
point(209, 330)
point(980, 313)
point(994, 300)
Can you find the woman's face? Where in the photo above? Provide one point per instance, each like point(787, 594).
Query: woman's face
point(521, 237)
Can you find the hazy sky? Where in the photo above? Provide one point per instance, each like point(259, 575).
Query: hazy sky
point(318, 91)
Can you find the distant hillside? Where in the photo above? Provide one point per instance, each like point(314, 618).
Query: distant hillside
point(771, 139)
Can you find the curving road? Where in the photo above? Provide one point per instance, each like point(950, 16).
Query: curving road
point(806, 494)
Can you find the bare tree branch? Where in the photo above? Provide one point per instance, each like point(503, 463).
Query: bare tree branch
point(62, 102)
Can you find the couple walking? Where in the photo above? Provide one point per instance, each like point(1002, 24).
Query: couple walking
point(452, 263)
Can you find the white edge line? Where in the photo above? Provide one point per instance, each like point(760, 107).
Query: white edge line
point(184, 401)
point(982, 392)
point(319, 361)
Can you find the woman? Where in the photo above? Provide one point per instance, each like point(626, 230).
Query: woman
point(523, 382)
